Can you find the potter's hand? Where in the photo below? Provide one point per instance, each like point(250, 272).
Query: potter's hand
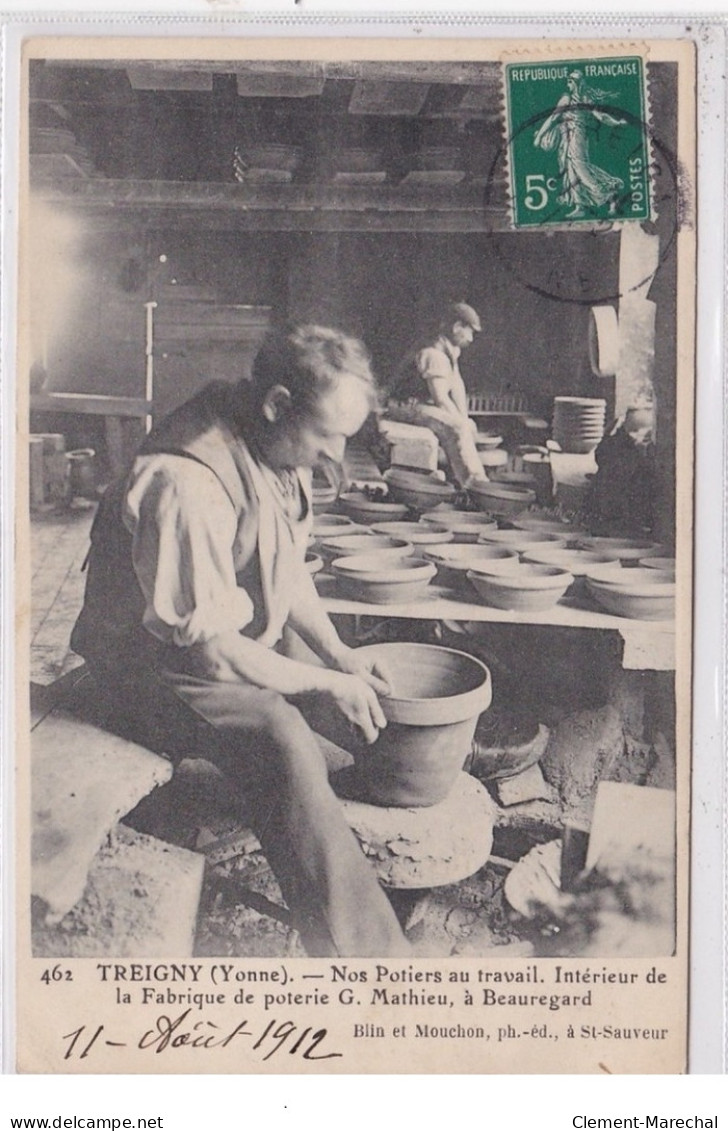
point(357, 701)
point(354, 662)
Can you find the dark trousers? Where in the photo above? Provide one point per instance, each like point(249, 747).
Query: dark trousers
point(274, 765)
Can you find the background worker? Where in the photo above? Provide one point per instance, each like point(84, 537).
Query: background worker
point(429, 390)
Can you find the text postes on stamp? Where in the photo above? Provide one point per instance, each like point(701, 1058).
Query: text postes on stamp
point(578, 144)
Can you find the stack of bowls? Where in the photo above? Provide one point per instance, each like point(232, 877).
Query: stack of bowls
point(578, 423)
point(638, 594)
point(520, 587)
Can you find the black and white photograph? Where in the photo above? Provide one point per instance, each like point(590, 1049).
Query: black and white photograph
point(355, 427)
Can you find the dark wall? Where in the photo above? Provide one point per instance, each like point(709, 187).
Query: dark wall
point(89, 327)
point(387, 287)
point(383, 287)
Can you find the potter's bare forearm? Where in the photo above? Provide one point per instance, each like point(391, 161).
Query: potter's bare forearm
point(311, 621)
point(230, 657)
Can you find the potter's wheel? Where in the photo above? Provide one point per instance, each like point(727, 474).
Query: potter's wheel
point(428, 846)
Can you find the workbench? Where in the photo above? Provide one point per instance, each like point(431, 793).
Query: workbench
point(648, 645)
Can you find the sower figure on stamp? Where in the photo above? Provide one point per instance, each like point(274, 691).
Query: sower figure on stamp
point(429, 390)
point(196, 567)
point(584, 186)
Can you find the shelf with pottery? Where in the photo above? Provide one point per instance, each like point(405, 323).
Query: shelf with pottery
point(648, 645)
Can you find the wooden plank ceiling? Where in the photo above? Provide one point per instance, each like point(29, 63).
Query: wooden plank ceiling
point(278, 135)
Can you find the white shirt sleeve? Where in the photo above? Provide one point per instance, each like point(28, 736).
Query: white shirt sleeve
point(433, 364)
point(183, 527)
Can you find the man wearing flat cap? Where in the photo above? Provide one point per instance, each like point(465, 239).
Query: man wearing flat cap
point(429, 391)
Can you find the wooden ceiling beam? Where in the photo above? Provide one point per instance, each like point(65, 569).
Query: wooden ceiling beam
point(111, 205)
point(163, 78)
point(388, 99)
point(422, 71)
point(464, 220)
point(120, 194)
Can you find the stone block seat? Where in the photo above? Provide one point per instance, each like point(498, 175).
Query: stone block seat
point(131, 889)
point(100, 888)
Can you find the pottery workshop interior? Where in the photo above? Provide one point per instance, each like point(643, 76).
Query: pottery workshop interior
point(521, 798)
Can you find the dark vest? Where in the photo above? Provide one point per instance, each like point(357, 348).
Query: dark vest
point(408, 383)
point(109, 632)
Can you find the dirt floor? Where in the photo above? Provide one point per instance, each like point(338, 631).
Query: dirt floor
point(242, 913)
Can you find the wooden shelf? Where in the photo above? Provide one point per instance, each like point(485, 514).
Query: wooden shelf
point(92, 404)
point(309, 207)
point(648, 644)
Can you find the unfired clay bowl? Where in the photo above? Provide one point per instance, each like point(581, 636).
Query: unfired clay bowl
point(332, 525)
point(362, 509)
point(501, 499)
point(420, 534)
point(640, 601)
point(484, 441)
point(437, 696)
point(409, 478)
point(620, 549)
point(618, 576)
point(466, 526)
point(492, 459)
point(322, 498)
point(516, 478)
point(667, 565)
point(382, 580)
point(578, 563)
point(521, 540)
point(550, 526)
point(525, 588)
point(364, 543)
point(454, 561)
point(422, 497)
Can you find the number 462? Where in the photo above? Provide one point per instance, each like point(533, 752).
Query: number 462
point(537, 191)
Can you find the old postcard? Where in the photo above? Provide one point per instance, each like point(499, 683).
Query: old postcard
point(355, 440)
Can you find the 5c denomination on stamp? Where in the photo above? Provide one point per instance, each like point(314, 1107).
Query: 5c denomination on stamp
point(578, 143)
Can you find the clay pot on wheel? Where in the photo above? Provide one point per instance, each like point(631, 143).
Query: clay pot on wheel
point(437, 696)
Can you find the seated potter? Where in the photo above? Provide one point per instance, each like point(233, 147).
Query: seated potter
point(429, 390)
point(195, 570)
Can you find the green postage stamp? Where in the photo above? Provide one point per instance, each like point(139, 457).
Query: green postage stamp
point(578, 141)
